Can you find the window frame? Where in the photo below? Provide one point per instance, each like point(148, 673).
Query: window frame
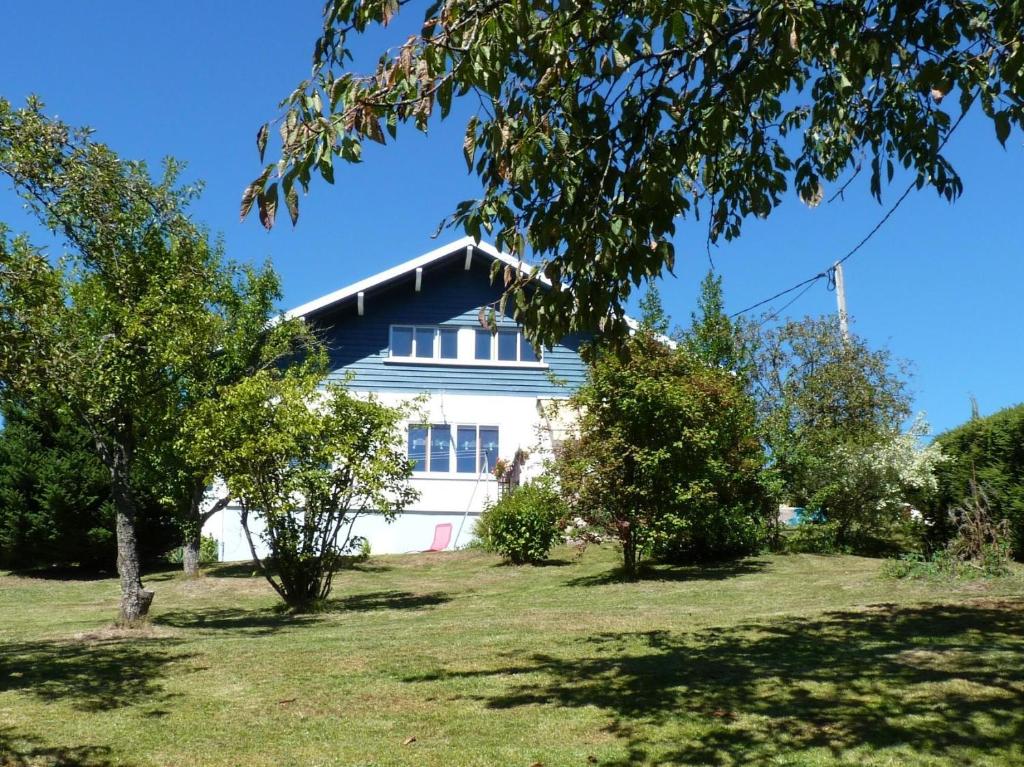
point(470, 358)
point(453, 429)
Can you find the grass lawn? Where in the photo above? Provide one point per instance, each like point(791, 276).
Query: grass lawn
point(780, 660)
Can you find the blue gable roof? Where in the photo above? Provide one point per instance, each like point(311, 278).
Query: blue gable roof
point(450, 295)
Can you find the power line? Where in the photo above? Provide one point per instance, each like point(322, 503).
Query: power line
point(829, 272)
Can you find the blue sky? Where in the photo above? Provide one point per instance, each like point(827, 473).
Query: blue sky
point(940, 285)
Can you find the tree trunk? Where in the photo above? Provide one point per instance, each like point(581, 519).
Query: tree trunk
point(190, 552)
point(629, 555)
point(135, 600)
point(193, 532)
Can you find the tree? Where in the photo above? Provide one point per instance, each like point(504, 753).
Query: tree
point(713, 337)
point(822, 397)
point(987, 452)
point(114, 328)
point(666, 460)
point(596, 128)
point(242, 335)
point(55, 505)
point(307, 459)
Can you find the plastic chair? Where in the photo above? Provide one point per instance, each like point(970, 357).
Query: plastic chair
point(442, 537)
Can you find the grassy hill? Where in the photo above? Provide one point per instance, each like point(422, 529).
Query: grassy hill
point(455, 659)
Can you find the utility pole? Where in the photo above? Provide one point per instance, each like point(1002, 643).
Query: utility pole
point(841, 300)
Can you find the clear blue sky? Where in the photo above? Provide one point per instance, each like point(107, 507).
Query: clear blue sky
point(940, 285)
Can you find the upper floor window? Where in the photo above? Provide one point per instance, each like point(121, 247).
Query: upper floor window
point(424, 342)
point(504, 346)
point(461, 345)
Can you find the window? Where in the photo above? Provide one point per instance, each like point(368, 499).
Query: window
point(449, 343)
point(460, 345)
point(432, 450)
point(504, 346)
point(425, 343)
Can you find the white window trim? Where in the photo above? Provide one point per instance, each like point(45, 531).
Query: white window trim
point(453, 458)
point(436, 359)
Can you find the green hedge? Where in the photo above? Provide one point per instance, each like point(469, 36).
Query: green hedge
point(991, 450)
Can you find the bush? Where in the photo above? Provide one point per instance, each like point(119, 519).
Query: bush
point(209, 552)
point(980, 549)
point(989, 451)
point(524, 524)
point(813, 538)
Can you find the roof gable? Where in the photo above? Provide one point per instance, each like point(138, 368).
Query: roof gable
point(466, 248)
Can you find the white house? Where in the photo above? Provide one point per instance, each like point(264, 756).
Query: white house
point(415, 330)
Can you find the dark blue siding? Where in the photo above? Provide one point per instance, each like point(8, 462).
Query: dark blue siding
point(450, 295)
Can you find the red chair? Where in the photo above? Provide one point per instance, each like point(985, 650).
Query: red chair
point(442, 537)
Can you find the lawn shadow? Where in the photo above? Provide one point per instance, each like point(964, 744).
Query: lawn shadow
point(65, 573)
point(657, 572)
point(92, 675)
point(28, 751)
point(387, 600)
point(900, 684)
point(556, 562)
point(254, 621)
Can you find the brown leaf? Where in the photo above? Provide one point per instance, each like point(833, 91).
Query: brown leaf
point(248, 198)
point(937, 95)
point(409, 741)
point(286, 700)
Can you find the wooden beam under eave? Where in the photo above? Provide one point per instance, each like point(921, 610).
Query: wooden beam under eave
point(360, 302)
point(469, 256)
point(419, 278)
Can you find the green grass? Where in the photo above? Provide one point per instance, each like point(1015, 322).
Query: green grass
point(781, 660)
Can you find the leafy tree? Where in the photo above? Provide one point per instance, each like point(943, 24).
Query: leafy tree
point(666, 460)
point(596, 128)
point(55, 505)
point(118, 328)
point(987, 452)
point(652, 311)
point(713, 337)
point(242, 335)
point(307, 460)
point(822, 398)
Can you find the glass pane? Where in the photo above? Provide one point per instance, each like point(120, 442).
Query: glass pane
point(465, 449)
point(488, 447)
point(440, 448)
point(507, 340)
point(401, 342)
point(483, 344)
point(526, 352)
point(449, 343)
point(418, 447)
point(425, 342)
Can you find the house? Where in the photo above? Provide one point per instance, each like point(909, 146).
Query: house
point(415, 329)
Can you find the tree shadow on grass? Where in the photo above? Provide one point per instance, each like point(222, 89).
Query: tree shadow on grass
point(932, 684)
point(248, 569)
point(26, 751)
point(387, 600)
point(248, 622)
point(657, 572)
point(92, 676)
point(275, 619)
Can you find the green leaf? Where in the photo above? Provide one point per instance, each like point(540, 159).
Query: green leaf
point(1002, 124)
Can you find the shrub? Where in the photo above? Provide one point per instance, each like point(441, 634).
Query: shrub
point(812, 537)
point(524, 524)
point(989, 451)
point(980, 549)
point(209, 551)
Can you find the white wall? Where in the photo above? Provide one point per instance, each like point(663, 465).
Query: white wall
point(452, 498)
